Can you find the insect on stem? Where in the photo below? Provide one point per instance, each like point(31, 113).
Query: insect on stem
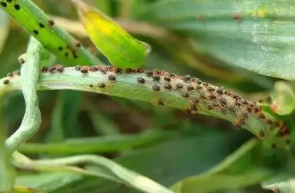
point(190, 94)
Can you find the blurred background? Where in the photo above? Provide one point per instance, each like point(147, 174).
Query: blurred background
point(164, 144)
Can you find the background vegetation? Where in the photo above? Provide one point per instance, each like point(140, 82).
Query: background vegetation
point(245, 46)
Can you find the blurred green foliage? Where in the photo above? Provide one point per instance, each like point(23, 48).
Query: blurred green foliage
point(212, 40)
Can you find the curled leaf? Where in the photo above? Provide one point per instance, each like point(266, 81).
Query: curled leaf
point(287, 186)
point(121, 49)
point(284, 99)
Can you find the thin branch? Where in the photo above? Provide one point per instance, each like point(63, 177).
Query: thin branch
point(162, 88)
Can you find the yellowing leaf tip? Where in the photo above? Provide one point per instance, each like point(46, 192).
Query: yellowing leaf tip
point(121, 49)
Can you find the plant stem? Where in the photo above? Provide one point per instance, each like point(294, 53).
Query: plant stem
point(28, 83)
point(104, 168)
point(94, 145)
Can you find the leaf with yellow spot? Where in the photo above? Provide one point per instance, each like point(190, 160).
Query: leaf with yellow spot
point(24, 189)
point(121, 49)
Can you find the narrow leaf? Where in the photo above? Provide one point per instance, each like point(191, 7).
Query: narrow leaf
point(93, 145)
point(111, 39)
point(140, 85)
point(45, 182)
point(52, 37)
point(283, 186)
point(223, 176)
point(203, 184)
point(284, 99)
point(254, 35)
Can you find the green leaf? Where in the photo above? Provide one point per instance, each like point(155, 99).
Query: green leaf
point(94, 144)
point(104, 125)
point(219, 182)
point(284, 99)
point(282, 187)
point(127, 86)
point(24, 189)
point(201, 152)
point(281, 183)
point(46, 182)
point(65, 117)
point(234, 172)
point(121, 49)
point(52, 37)
point(253, 35)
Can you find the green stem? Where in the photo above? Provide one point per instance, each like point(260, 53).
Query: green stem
point(28, 83)
point(108, 169)
point(162, 88)
point(93, 145)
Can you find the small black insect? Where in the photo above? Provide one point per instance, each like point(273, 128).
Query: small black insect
point(112, 77)
point(156, 78)
point(185, 94)
point(190, 88)
point(6, 81)
point(167, 86)
point(156, 88)
point(101, 85)
point(149, 73)
point(167, 78)
point(179, 85)
point(140, 80)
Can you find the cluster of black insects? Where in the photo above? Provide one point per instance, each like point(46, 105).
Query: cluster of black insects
point(214, 98)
